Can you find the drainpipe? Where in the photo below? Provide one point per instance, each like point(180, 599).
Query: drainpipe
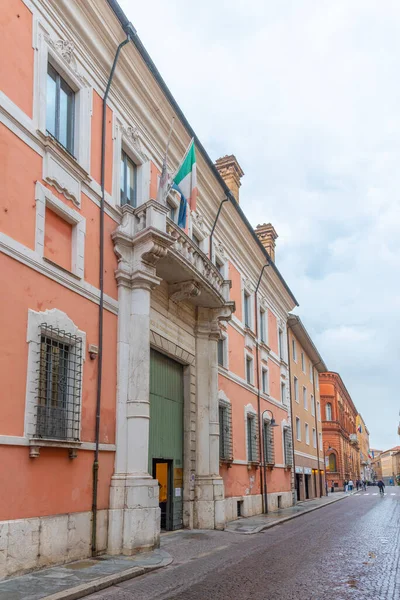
point(294, 487)
point(129, 30)
point(213, 227)
point(263, 480)
point(316, 431)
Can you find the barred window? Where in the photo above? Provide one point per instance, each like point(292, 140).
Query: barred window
point(287, 445)
point(225, 431)
point(59, 385)
point(269, 451)
point(252, 438)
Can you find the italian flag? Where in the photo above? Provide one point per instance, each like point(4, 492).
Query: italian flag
point(185, 181)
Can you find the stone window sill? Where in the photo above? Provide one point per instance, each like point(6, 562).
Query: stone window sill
point(36, 443)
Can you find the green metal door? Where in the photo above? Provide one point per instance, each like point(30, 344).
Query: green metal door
point(166, 428)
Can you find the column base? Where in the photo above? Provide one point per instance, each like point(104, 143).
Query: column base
point(209, 503)
point(134, 515)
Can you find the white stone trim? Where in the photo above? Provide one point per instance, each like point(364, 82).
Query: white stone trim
point(264, 368)
point(236, 379)
point(251, 357)
point(55, 318)
point(126, 138)
point(197, 227)
point(30, 258)
point(310, 456)
point(250, 410)
point(19, 440)
point(50, 48)
point(248, 290)
point(45, 198)
point(225, 338)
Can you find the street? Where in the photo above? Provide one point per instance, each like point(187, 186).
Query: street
point(348, 550)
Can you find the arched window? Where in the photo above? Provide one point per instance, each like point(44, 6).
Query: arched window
point(332, 463)
point(328, 412)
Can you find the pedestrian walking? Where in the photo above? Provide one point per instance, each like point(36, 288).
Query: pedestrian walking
point(326, 487)
point(381, 487)
point(350, 485)
point(332, 486)
point(346, 485)
point(391, 481)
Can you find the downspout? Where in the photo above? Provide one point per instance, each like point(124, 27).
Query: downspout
point(214, 225)
point(294, 487)
point(316, 431)
point(95, 474)
point(263, 479)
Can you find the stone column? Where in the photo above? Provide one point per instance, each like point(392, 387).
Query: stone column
point(209, 508)
point(134, 515)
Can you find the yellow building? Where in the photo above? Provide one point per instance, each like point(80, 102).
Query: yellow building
point(365, 455)
point(305, 365)
point(390, 464)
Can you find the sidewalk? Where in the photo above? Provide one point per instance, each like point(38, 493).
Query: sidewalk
point(81, 578)
point(249, 525)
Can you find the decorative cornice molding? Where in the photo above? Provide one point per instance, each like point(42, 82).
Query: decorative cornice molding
point(184, 291)
point(65, 49)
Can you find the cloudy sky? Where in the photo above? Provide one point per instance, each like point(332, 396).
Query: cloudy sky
point(306, 94)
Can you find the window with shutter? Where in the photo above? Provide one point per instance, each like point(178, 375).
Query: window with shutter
point(287, 443)
point(225, 432)
point(252, 439)
point(269, 451)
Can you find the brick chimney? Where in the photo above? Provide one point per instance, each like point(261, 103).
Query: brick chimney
point(267, 236)
point(231, 172)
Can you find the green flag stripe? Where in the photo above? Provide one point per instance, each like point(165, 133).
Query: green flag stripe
point(187, 165)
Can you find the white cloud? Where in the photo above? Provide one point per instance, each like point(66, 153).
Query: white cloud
point(307, 95)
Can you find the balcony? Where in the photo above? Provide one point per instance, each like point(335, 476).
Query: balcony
point(190, 273)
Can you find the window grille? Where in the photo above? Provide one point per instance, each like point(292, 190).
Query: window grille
point(252, 439)
point(59, 368)
point(269, 450)
point(287, 443)
point(225, 431)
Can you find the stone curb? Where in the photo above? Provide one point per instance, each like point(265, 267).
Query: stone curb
point(289, 518)
point(80, 591)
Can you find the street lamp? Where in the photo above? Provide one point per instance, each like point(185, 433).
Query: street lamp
point(272, 423)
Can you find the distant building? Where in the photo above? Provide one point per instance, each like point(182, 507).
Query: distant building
point(341, 446)
point(305, 365)
point(365, 452)
point(390, 465)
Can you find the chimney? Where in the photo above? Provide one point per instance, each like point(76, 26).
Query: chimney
point(231, 172)
point(267, 236)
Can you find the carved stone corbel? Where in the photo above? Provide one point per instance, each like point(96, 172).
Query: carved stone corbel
point(184, 291)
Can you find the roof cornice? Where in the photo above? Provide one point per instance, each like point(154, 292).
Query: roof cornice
point(301, 333)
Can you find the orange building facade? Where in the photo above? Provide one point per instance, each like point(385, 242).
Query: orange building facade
point(340, 442)
point(174, 332)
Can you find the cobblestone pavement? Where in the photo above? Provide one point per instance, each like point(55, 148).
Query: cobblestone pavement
point(349, 550)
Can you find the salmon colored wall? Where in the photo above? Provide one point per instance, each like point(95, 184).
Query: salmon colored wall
point(50, 484)
point(274, 380)
point(92, 242)
point(154, 174)
point(236, 290)
point(272, 332)
point(22, 295)
point(22, 167)
point(58, 240)
point(16, 52)
point(236, 352)
point(95, 154)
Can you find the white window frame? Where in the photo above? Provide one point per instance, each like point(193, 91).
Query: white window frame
point(296, 389)
point(314, 433)
point(303, 362)
point(249, 356)
point(326, 411)
point(250, 411)
point(320, 440)
point(312, 402)
point(305, 399)
point(63, 60)
point(294, 350)
point(298, 429)
point(124, 141)
point(311, 371)
point(283, 393)
point(318, 411)
point(44, 198)
point(220, 256)
point(201, 234)
point(246, 292)
point(307, 433)
point(225, 338)
point(281, 344)
point(59, 320)
point(262, 331)
point(265, 371)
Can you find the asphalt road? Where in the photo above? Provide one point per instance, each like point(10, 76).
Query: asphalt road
point(348, 550)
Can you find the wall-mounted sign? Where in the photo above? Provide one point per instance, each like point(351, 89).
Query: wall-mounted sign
point(299, 470)
point(307, 470)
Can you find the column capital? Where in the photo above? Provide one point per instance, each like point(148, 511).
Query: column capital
point(209, 320)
